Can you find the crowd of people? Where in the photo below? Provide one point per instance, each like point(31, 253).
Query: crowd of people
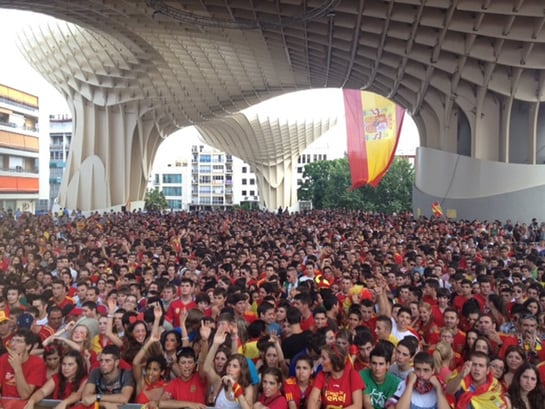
point(236, 309)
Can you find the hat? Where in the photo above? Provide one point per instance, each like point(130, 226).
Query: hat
point(76, 312)
point(25, 320)
point(3, 316)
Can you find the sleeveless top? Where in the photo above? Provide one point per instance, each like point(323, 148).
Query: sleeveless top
point(223, 403)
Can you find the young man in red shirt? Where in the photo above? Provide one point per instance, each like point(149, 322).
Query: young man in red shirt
point(21, 373)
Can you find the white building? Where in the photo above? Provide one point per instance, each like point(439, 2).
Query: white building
point(205, 178)
point(60, 137)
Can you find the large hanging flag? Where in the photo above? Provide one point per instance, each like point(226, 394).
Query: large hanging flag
point(373, 125)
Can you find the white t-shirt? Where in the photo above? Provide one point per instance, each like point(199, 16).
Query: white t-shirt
point(418, 401)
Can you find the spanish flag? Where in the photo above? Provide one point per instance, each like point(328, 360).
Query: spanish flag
point(373, 125)
point(436, 209)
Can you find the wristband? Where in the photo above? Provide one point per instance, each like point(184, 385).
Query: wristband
point(237, 390)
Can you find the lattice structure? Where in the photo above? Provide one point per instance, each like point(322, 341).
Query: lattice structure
point(141, 69)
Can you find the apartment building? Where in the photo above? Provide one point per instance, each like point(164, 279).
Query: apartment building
point(19, 150)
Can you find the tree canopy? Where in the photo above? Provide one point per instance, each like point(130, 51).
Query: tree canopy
point(327, 185)
point(155, 200)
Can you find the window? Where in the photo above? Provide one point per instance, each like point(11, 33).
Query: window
point(217, 200)
point(205, 169)
point(217, 168)
point(244, 181)
point(205, 159)
point(244, 193)
point(252, 192)
point(172, 178)
point(174, 204)
point(204, 179)
point(206, 200)
point(244, 169)
point(156, 179)
point(217, 190)
point(299, 169)
point(172, 190)
point(205, 190)
point(252, 181)
point(217, 178)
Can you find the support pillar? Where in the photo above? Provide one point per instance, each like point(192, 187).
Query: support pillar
point(110, 158)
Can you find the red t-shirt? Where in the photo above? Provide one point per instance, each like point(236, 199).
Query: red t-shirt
point(337, 393)
point(33, 369)
point(293, 393)
point(308, 324)
point(69, 388)
point(64, 303)
point(277, 401)
point(174, 310)
point(193, 390)
point(371, 324)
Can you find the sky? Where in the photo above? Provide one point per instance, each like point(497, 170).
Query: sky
point(17, 73)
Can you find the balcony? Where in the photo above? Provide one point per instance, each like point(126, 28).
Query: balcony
point(15, 126)
point(59, 146)
point(19, 169)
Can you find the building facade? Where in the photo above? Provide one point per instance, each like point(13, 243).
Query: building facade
point(60, 137)
point(207, 178)
point(19, 150)
point(199, 179)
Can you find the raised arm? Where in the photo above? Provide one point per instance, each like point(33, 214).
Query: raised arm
point(281, 360)
point(57, 335)
point(138, 361)
point(183, 329)
point(454, 384)
point(112, 307)
point(442, 402)
point(404, 401)
point(157, 314)
point(384, 306)
point(219, 338)
point(205, 332)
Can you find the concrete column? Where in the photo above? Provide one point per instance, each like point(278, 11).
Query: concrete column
point(506, 106)
point(533, 118)
point(110, 157)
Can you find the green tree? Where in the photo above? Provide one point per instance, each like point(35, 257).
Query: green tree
point(327, 185)
point(155, 200)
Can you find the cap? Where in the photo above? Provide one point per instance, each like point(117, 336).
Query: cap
point(25, 321)
point(76, 312)
point(3, 316)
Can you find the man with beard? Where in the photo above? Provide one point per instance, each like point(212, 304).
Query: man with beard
point(108, 385)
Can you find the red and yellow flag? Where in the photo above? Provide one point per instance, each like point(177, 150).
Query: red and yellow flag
point(373, 125)
point(436, 209)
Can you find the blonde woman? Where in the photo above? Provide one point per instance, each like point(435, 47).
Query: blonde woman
point(442, 357)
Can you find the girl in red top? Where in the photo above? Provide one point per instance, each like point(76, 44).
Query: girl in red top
point(150, 384)
point(66, 385)
point(297, 389)
point(271, 397)
point(338, 385)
